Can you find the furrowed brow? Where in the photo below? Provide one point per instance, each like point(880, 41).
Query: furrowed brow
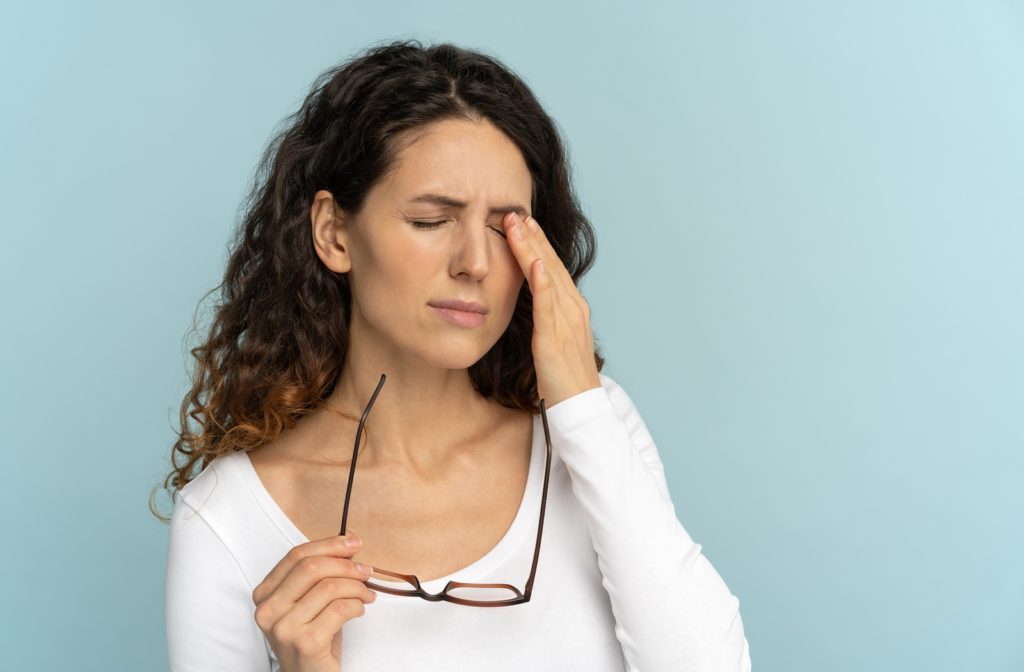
point(440, 199)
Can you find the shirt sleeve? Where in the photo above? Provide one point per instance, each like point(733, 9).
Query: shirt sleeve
point(209, 612)
point(672, 609)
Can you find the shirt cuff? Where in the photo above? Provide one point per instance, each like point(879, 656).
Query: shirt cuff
point(579, 409)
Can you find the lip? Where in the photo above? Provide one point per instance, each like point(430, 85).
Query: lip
point(458, 304)
point(462, 318)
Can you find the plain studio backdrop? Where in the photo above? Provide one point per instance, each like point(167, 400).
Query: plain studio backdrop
point(809, 278)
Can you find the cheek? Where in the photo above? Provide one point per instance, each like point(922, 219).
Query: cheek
point(406, 262)
point(386, 276)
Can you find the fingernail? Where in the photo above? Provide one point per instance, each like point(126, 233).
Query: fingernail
point(517, 229)
point(352, 542)
point(363, 569)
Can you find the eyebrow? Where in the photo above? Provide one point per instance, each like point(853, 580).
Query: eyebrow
point(440, 199)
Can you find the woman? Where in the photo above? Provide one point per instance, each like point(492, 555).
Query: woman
point(416, 224)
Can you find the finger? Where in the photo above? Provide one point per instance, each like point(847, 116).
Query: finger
point(327, 625)
point(309, 572)
point(545, 301)
point(310, 637)
point(535, 245)
point(558, 270)
point(516, 234)
point(539, 244)
point(558, 306)
point(303, 580)
point(326, 591)
point(335, 546)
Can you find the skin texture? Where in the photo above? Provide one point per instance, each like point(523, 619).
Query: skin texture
point(427, 410)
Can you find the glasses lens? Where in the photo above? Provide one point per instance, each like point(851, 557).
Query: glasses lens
point(483, 593)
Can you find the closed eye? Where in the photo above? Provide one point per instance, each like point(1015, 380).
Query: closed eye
point(425, 225)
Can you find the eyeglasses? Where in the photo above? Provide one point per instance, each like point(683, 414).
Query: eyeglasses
point(469, 594)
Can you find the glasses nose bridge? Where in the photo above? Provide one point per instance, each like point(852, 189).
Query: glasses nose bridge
point(521, 596)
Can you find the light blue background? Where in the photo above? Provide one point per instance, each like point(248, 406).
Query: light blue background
point(809, 279)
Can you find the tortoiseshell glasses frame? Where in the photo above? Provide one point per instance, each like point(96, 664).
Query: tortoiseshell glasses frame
point(416, 590)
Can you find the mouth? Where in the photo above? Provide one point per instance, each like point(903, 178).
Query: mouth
point(460, 305)
point(462, 318)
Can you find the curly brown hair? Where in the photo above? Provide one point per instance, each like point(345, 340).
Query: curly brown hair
point(277, 344)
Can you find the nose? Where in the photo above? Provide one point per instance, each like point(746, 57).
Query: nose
point(471, 253)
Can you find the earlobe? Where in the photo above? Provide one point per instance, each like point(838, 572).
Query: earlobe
point(330, 233)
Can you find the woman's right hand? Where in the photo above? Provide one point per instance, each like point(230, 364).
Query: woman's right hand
point(306, 598)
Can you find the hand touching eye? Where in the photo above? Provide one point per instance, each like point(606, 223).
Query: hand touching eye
point(563, 343)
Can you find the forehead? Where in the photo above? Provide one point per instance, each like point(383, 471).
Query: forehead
point(469, 161)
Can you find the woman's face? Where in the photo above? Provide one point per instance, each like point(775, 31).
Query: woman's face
point(431, 231)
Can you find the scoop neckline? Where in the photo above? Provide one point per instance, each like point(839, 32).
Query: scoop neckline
point(523, 522)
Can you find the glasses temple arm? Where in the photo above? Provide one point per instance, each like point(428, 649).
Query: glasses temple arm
point(355, 454)
point(543, 501)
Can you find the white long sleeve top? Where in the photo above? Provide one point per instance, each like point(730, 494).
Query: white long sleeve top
point(620, 584)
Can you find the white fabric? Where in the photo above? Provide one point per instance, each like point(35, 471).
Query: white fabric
point(620, 584)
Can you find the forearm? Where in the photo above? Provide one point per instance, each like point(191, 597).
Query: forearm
point(672, 609)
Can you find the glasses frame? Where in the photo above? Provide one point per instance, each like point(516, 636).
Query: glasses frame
point(521, 597)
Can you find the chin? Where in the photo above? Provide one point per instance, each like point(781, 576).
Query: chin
point(463, 362)
point(455, 355)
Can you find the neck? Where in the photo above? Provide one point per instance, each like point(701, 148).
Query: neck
point(423, 417)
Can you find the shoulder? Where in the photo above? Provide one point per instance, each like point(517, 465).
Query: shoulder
point(211, 488)
point(210, 575)
point(198, 535)
point(222, 507)
point(220, 498)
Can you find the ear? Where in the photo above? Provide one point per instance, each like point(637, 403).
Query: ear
point(330, 232)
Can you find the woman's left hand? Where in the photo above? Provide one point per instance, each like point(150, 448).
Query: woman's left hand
point(563, 344)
